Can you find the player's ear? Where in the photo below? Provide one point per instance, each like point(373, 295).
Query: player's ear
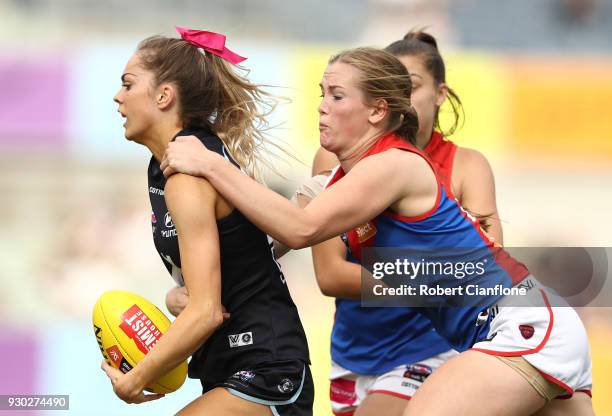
point(442, 94)
point(378, 111)
point(165, 96)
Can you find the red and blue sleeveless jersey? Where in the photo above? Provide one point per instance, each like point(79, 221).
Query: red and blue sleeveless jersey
point(441, 153)
point(382, 338)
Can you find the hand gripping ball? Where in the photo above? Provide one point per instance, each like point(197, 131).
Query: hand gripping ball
point(127, 327)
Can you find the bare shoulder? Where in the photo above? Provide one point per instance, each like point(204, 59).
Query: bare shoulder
point(471, 174)
point(471, 161)
point(399, 165)
point(398, 158)
point(323, 161)
point(185, 187)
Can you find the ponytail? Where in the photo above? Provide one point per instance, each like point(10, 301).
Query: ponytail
point(422, 44)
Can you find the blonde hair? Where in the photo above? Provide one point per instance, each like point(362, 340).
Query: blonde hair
point(211, 94)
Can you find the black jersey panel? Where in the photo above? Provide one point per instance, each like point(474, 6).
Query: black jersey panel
point(264, 325)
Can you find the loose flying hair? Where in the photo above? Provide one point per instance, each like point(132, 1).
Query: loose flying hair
point(423, 45)
point(382, 76)
point(211, 94)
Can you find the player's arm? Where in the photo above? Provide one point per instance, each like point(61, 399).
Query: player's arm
point(176, 300)
point(191, 203)
point(474, 176)
point(336, 276)
point(322, 166)
point(355, 199)
point(324, 161)
point(299, 200)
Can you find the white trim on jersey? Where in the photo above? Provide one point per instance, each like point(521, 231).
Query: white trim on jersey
point(331, 176)
point(177, 273)
point(280, 269)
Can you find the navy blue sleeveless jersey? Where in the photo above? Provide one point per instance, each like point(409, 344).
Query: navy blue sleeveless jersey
point(264, 326)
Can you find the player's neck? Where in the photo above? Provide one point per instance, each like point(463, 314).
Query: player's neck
point(423, 139)
point(161, 135)
point(349, 157)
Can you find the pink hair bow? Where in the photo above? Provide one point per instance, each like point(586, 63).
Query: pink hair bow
point(211, 42)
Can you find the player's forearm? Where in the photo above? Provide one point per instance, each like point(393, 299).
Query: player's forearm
point(336, 276)
point(186, 334)
point(268, 210)
point(299, 200)
point(341, 279)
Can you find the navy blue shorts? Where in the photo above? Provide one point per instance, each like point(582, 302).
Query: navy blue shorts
point(285, 386)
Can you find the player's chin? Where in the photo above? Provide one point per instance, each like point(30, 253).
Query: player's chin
point(325, 139)
point(328, 143)
point(130, 135)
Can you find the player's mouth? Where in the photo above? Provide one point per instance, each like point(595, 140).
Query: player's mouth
point(123, 116)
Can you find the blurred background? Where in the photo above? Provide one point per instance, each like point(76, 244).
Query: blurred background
point(535, 78)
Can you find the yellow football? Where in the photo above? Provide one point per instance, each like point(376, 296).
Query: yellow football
point(127, 327)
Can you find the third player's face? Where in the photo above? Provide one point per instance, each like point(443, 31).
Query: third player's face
point(343, 115)
point(426, 96)
point(136, 101)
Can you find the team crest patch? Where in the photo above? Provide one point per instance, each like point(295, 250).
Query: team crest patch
point(285, 386)
point(526, 331)
point(365, 231)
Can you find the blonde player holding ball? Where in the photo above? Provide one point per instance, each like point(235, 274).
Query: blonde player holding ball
point(256, 362)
